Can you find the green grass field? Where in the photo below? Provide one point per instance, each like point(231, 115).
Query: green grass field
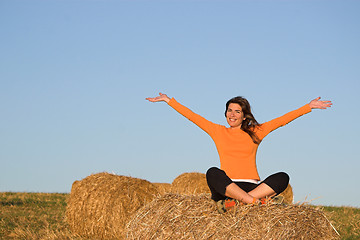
point(41, 216)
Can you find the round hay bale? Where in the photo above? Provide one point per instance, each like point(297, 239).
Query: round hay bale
point(175, 216)
point(100, 205)
point(288, 195)
point(190, 183)
point(163, 188)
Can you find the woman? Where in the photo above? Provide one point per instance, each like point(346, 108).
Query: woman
point(237, 180)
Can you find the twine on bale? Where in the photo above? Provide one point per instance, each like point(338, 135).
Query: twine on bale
point(174, 216)
point(100, 205)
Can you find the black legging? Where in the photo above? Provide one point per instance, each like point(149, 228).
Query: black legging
point(217, 181)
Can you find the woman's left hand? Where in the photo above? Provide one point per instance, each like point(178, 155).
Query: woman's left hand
point(316, 103)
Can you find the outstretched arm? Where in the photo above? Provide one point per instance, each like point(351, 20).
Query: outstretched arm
point(201, 122)
point(316, 103)
point(160, 98)
point(270, 126)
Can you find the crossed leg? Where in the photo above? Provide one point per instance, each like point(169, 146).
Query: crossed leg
point(261, 191)
point(222, 186)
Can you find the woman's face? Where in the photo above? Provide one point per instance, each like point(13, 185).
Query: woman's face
point(234, 115)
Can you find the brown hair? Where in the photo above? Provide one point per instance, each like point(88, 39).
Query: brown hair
point(249, 123)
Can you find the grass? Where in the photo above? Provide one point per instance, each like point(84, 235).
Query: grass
point(33, 216)
point(41, 216)
point(346, 221)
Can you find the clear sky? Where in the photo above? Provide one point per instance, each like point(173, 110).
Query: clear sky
point(74, 76)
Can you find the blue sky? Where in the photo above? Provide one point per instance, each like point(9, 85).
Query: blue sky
point(74, 76)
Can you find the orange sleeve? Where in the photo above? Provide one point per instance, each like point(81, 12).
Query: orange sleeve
point(201, 122)
point(270, 126)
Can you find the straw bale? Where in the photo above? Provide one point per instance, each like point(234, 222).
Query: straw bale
point(163, 188)
point(190, 183)
point(100, 205)
point(288, 195)
point(176, 216)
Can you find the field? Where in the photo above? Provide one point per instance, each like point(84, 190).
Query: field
point(41, 216)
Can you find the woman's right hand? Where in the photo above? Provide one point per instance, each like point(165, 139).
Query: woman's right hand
point(161, 97)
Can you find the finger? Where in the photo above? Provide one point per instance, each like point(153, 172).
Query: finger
point(327, 102)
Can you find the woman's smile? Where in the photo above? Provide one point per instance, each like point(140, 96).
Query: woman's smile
point(234, 115)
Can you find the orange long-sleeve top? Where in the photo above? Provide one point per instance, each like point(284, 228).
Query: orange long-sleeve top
point(236, 149)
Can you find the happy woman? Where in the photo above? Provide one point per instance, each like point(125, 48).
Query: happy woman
point(237, 180)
